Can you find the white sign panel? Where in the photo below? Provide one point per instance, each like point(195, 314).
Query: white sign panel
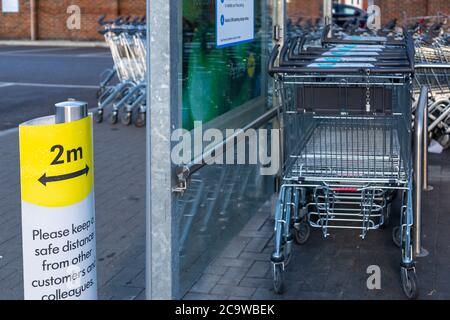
point(10, 5)
point(59, 252)
point(235, 22)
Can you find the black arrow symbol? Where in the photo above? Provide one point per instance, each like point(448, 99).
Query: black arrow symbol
point(44, 179)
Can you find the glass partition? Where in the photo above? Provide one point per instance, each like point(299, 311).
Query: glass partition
point(222, 88)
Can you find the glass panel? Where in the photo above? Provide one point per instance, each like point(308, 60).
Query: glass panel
point(223, 88)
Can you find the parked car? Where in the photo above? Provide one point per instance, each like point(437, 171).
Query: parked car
point(344, 14)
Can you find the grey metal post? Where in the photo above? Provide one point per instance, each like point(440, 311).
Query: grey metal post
point(163, 104)
point(70, 111)
point(426, 186)
point(279, 18)
point(328, 13)
point(420, 131)
point(148, 215)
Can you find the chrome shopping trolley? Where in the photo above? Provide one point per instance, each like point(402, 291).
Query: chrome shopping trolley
point(432, 69)
point(126, 39)
point(346, 122)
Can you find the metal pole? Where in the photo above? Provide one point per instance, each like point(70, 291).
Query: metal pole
point(420, 131)
point(328, 14)
point(33, 20)
point(431, 66)
point(185, 171)
point(70, 111)
point(279, 17)
point(148, 212)
point(164, 38)
point(426, 186)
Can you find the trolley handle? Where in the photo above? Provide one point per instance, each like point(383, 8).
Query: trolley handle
point(101, 21)
point(327, 40)
point(324, 38)
point(345, 189)
point(119, 20)
point(102, 31)
point(410, 50)
point(299, 43)
point(136, 21)
point(272, 69)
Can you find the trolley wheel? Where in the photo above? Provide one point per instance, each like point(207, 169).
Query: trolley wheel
point(387, 215)
point(140, 120)
point(114, 118)
point(99, 116)
point(278, 278)
point(396, 236)
point(409, 283)
point(302, 232)
point(444, 140)
point(127, 118)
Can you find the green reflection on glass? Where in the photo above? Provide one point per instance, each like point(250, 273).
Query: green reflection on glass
point(216, 81)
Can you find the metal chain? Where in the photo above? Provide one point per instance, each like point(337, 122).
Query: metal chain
point(368, 106)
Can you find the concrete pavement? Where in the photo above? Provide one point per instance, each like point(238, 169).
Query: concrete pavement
point(336, 267)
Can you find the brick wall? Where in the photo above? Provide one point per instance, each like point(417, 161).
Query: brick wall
point(391, 9)
point(304, 8)
point(439, 6)
point(52, 18)
point(15, 25)
point(133, 7)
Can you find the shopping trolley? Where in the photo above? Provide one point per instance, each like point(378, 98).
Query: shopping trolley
point(433, 70)
point(126, 39)
point(346, 128)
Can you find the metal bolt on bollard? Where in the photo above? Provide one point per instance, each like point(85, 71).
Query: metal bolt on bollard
point(70, 111)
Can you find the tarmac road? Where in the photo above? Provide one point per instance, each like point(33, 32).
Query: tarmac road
point(33, 79)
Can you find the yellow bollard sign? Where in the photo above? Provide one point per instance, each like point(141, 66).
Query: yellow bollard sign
point(56, 163)
point(58, 214)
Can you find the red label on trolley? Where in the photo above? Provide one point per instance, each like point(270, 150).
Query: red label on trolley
point(345, 189)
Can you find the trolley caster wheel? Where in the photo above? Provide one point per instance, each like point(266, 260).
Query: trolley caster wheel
point(99, 116)
point(127, 118)
point(396, 236)
point(302, 231)
point(278, 278)
point(114, 118)
point(409, 283)
point(140, 120)
point(444, 141)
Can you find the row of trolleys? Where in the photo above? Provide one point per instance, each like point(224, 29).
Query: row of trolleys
point(347, 140)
